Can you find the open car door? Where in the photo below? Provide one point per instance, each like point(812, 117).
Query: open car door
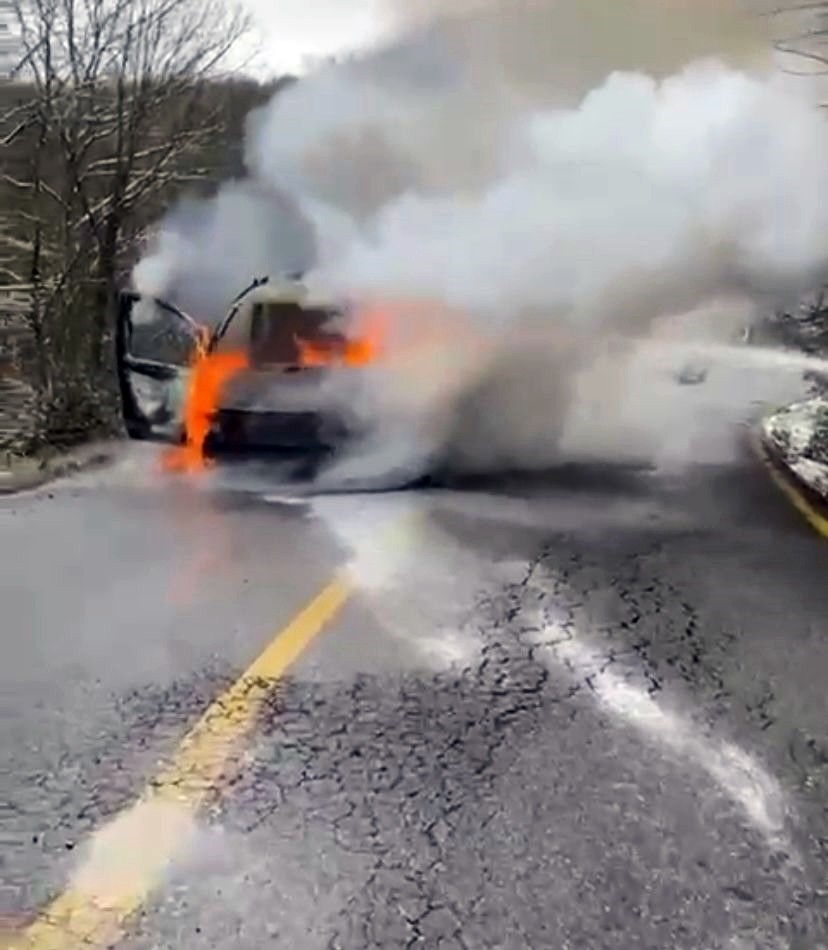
point(156, 344)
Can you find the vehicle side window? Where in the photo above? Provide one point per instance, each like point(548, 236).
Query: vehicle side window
point(158, 334)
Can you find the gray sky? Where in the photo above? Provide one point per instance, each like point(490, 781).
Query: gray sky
point(290, 32)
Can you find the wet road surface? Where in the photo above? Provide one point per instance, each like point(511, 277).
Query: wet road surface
point(586, 711)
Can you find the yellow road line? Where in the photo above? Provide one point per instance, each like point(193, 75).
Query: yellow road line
point(130, 855)
point(814, 518)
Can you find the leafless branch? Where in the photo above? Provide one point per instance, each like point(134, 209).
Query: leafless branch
point(117, 103)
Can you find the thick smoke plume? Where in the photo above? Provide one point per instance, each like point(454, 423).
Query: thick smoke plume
point(568, 175)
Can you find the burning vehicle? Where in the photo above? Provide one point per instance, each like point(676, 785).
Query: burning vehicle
point(258, 382)
point(359, 393)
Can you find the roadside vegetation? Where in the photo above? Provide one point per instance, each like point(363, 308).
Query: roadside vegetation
point(109, 111)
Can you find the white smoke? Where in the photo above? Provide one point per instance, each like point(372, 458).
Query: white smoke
point(209, 251)
point(564, 174)
point(708, 179)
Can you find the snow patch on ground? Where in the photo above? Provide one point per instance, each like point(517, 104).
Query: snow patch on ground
point(798, 437)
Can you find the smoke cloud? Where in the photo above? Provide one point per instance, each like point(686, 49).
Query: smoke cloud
point(564, 174)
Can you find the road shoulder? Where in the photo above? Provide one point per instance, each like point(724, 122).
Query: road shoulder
point(798, 476)
point(25, 474)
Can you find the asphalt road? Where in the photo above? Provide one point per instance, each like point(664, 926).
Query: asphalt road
point(586, 710)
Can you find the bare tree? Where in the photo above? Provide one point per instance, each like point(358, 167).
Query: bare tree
point(113, 103)
point(800, 34)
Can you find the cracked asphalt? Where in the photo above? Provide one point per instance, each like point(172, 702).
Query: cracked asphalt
point(586, 710)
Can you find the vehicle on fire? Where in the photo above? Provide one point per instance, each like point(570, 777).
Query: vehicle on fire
point(256, 382)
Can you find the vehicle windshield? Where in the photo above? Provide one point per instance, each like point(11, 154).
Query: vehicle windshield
point(278, 331)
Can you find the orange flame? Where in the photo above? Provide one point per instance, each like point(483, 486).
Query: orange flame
point(315, 354)
point(210, 372)
point(360, 350)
